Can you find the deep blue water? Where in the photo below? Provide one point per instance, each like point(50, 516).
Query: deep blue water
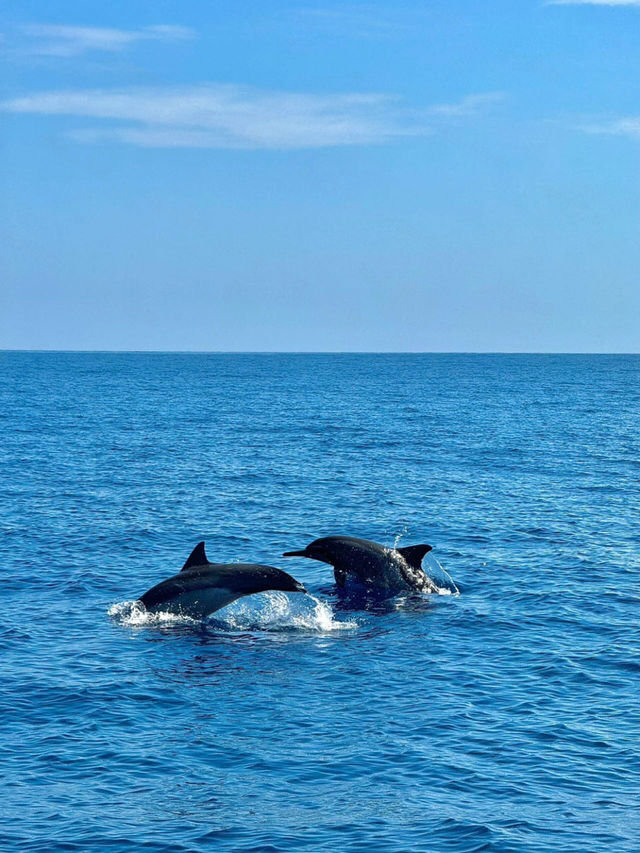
point(503, 719)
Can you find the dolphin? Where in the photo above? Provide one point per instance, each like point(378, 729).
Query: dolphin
point(370, 564)
point(201, 587)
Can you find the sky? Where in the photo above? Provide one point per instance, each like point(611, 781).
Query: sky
point(219, 175)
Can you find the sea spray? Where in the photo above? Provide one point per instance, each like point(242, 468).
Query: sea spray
point(443, 581)
point(269, 611)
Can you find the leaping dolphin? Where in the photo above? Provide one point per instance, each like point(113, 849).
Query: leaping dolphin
point(370, 564)
point(201, 587)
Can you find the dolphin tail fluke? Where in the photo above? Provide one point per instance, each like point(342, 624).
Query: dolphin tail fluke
point(414, 554)
point(196, 558)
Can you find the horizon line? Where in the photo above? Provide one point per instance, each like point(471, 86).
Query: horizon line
point(307, 352)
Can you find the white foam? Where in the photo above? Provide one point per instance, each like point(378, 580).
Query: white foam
point(269, 611)
point(275, 611)
point(135, 615)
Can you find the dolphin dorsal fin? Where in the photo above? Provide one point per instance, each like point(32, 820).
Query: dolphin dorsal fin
point(196, 558)
point(414, 554)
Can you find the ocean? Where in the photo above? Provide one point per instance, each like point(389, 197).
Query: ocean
point(501, 717)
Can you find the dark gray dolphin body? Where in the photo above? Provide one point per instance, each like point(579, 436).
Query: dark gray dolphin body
point(370, 564)
point(201, 587)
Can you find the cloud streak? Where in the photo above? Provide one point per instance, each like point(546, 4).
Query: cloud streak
point(593, 3)
point(469, 107)
point(231, 116)
point(66, 41)
point(361, 21)
point(626, 126)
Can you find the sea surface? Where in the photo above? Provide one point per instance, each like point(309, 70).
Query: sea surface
point(503, 718)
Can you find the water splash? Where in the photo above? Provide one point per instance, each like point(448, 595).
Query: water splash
point(269, 611)
point(439, 577)
point(398, 538)
point(133, 614)
point(275, 611)
point(445, 584)
point(442, 580)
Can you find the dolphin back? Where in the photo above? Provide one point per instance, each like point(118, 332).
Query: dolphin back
point(393, 568)
point(203, 589)
point(370, 563)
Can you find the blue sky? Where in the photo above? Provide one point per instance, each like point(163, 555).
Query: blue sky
point(369, 176)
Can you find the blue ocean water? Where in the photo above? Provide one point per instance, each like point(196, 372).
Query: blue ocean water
point(506, 718)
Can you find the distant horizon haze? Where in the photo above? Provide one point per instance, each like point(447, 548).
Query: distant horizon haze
point(312, 352)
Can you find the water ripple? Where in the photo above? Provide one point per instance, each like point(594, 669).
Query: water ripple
point(503, 718)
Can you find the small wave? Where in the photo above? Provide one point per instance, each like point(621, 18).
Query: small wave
point(270, 611)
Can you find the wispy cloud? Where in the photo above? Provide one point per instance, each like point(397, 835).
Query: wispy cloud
point(64, 41)
point(592, 3)
point(468, 107)
point(626, 126)
point(229, 116)
point(361, 20)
